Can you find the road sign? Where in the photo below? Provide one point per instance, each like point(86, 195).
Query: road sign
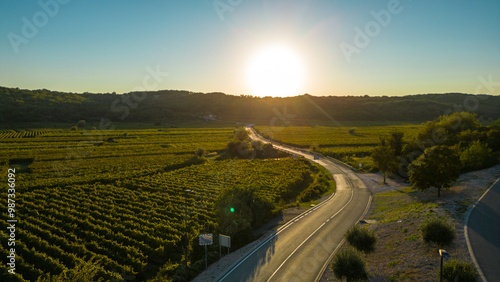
point(206, 239)
point(225, 241)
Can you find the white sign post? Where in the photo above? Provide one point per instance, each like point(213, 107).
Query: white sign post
point(205, 240)
point(224, 241)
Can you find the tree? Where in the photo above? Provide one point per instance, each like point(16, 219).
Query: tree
point(349, 264)
point(199, 152)
point(384, 157)
point(241, 134)
point(458, 122)
point(438, 166)
point(396, 142)
point(493, 139)
point(81, 124)
point(239, 209)
point(477, 156)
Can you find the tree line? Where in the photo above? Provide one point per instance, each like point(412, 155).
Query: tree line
point(166, 106)
point(444, 148)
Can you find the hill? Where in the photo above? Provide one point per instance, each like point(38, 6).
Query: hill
point(169, 106)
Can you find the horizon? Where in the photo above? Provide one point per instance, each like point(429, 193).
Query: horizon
point(252, 96)
point(278, 49)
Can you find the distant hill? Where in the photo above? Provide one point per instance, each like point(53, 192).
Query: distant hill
point(18, 105)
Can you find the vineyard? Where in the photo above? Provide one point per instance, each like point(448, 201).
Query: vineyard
point(118, 196)
point(22, 133)
point(336, 142)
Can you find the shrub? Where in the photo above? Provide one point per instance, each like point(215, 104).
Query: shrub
point(81, 123)
point(437, 231)
point(349, 264)
point(455, 270)
point(200, 152)
point(362, 239)
point(477, 156)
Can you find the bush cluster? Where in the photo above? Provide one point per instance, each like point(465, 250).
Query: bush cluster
point(362, 239)
point(349, 264)
point(455, 270)
point(437, 231)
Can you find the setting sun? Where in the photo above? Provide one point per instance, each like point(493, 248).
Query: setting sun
point(275, 71)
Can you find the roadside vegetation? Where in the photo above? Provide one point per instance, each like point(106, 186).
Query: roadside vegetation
point(412, 224)
point(455, 270)
point(361, 238)
point(410, 229)
point(350, 265)
point(429, 155)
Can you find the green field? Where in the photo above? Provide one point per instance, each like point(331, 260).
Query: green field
point(350, 144)
point(118, 196)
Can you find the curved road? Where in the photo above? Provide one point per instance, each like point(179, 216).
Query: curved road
point(300, 250)
point(483, 228)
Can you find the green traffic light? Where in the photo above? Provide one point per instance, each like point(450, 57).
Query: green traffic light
point(231, 209)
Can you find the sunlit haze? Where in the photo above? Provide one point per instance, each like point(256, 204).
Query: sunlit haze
point(261, 48)
point(275, 71)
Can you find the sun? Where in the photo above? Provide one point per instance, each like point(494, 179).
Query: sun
point(275, 71)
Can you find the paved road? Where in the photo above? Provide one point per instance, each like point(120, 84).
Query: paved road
point(299, 250)
point(484, 233)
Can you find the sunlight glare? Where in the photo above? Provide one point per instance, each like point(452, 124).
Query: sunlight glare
point(275, 71)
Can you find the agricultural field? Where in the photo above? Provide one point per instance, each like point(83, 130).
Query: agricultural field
point(350, 144)
point(9, 133)
point(118, 196)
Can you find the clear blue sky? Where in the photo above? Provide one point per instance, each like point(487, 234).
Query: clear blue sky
point(427, 46)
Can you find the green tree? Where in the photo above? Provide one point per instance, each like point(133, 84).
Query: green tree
point(384, 157)
point(493, 139)
point(447, 128)
point(200, 152)
point(241, 134)
point(349, 264)
point(396, 142)
point(458, 122)
point(477, 156)
point(239, 209)
point(438, 166)
point(81, 124)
